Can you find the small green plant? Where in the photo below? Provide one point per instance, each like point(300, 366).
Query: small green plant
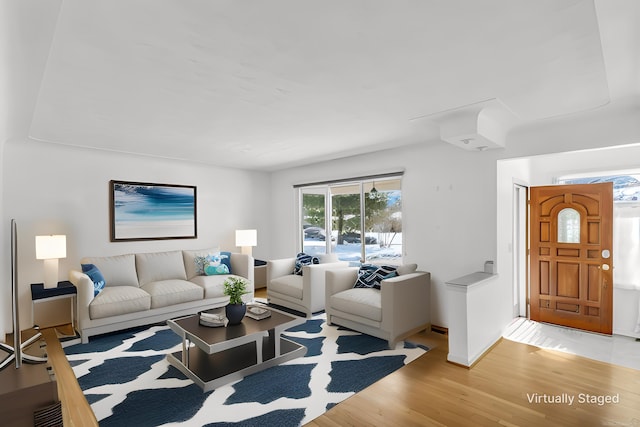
point(234, 288)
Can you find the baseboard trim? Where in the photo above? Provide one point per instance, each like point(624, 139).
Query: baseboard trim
point(470, 363)
point(440, 329)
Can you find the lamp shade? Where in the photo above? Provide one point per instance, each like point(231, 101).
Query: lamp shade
point(51, 247)
point(246, 238)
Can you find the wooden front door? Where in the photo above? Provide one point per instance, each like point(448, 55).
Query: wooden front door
point(571, 259)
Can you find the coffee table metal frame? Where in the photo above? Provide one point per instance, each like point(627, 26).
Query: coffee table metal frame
point(212, 357)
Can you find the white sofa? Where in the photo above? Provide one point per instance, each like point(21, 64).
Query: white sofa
point(401, 307)
point(147, 288)
point(301, 293)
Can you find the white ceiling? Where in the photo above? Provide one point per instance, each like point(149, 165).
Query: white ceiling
point(271, 84)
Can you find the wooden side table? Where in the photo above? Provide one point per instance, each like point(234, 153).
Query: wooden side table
point(65, 289)
point(29, 396)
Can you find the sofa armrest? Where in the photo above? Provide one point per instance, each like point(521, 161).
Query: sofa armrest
point(338, 280)
point(406, 302)
point(84, 295)
point(279, 267)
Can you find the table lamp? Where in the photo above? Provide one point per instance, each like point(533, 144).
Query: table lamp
point(246, 239)
point(50, 249)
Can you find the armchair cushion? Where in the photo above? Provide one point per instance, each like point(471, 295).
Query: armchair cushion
point(370, 275)
point(289, 285)
point(359, 302)
point(303, 259)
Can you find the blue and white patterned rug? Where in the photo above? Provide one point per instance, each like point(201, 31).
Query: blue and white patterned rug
point(128, 381)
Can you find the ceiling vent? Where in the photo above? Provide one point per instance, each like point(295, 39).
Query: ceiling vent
point(476, 127)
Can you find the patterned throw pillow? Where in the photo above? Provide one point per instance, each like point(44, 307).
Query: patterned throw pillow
point(303, 259)
point(370, 276)
point(96, 277)
point(216, 259)
point(212, 270)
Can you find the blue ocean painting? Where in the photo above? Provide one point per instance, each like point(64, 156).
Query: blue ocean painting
point(153, 211)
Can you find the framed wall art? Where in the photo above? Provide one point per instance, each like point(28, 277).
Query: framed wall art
point(147, 211)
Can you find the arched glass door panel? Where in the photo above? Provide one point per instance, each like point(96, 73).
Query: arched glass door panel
point(568, 226)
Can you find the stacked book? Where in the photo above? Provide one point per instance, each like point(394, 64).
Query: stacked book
point(214, 318)
point(258, 313)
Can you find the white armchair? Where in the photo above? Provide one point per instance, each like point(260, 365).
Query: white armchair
point(401, 307)
point(300, 293)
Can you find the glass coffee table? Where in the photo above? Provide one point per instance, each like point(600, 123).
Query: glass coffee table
point(214, 356)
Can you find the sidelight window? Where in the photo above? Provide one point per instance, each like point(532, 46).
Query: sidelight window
point(626, 221)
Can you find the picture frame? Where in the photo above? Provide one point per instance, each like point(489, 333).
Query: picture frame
point(151, 211)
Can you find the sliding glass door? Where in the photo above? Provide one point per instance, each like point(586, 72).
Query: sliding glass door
point(360, 220)
point(346, 221)
point(313, 220)
point(383, 221)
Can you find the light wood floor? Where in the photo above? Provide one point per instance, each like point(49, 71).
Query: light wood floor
point(430, 391)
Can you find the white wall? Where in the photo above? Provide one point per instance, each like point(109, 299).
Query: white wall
point(24, 54)
point(55, 189)
point(448, 208)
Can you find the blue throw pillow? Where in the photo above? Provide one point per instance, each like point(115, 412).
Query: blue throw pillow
point(225, 258)
point(303, 259)
point(370, 276)
point(96, 277)
point(212, 270)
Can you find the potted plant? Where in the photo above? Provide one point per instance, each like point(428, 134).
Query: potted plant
point(234, 288)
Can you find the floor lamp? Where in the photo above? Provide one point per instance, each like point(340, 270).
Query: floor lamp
point(16, 352)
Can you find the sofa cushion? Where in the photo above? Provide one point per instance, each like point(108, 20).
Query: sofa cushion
point(171, 292)
point(303, 259)
point(116, 300)
point(290, 285)
point(193, 261)
point(370, 275)
point(212, 285)
point(96, 277)
point(154, 267)
point(362, 302)
point(119, 270)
